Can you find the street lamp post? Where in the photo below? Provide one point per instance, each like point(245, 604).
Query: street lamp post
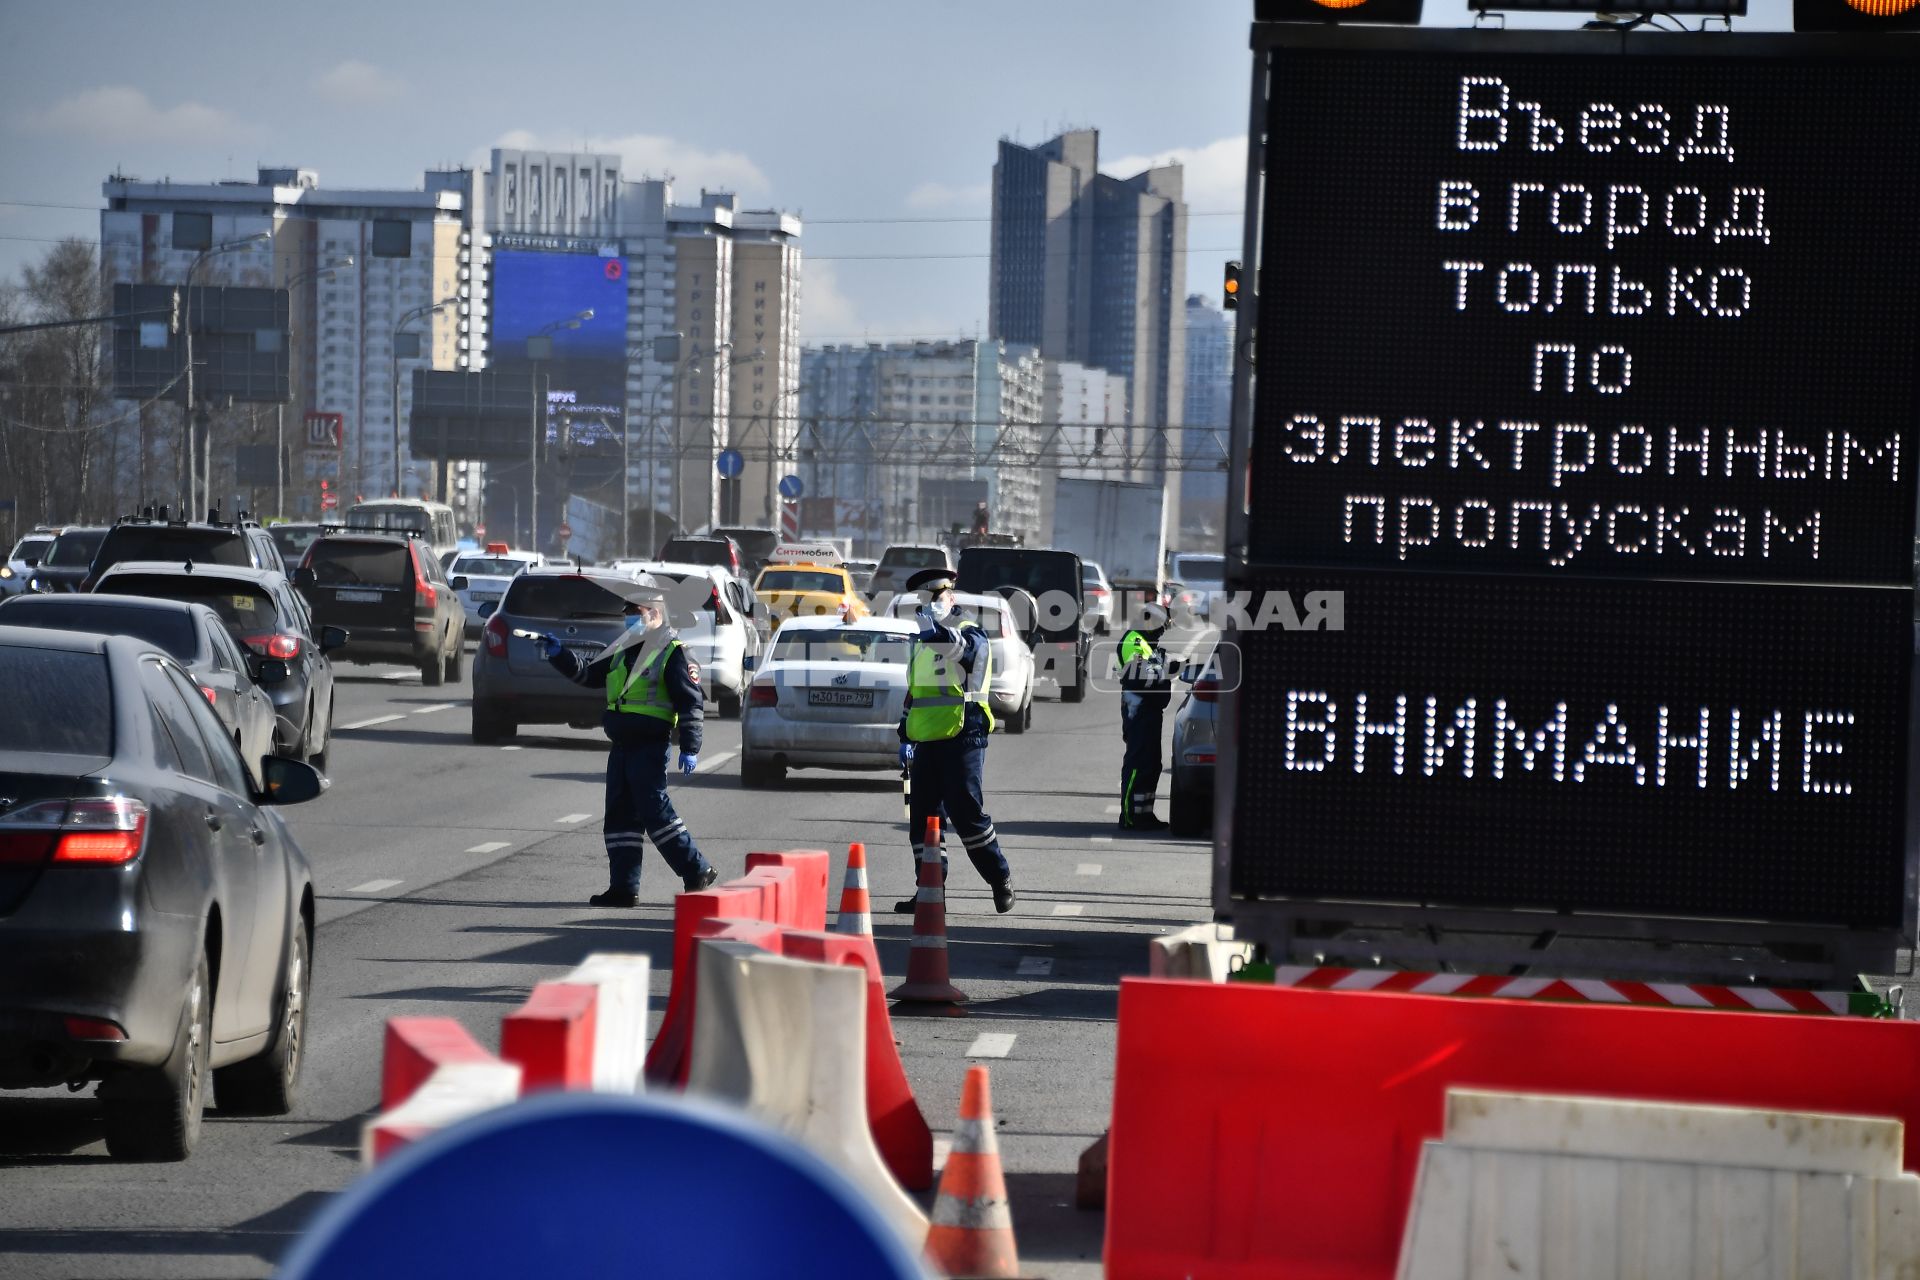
point(679, 461)
point(773, 453)
point(192, 480)
point(398, 329)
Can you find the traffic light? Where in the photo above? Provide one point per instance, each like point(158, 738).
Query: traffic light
point(1404, 13)
point(1230, 288)
point(1856, 15)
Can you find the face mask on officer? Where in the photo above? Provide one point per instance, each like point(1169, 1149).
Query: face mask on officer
point(640, 617)
point(942, 606)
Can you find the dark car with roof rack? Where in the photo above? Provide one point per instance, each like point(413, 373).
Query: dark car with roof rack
point(387, 589)
point(68, 561)
point(241, 542)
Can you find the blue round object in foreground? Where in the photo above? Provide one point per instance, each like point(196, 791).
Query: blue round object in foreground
point(603, 1185)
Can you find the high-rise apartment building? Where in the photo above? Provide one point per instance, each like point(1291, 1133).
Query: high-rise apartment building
point(710, 357)
point(1208, 415)
point(380, 282)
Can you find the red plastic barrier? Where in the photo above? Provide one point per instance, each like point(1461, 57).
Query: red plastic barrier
point(781, 893)
point(672, 1052)
point(812, 871)
point(414, 1047)
point(1261, 1131)
point(731, 901)
point(551, 1037)
point(899, 1128)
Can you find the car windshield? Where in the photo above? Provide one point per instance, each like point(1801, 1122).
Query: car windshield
point(1200, 568)
point(344, 563)
point(1035, 572)
point(1090, 573)
point(487, 566)
point(842, 644)
point(169, 629)
point(755, 543)
point(166, 542)
point(245, 608)
point(31, 548)
point(913, 558)
point(74, 550)
point(56, 701)
point(696, 551)
point(569, 596)
point(801, 580)
point(413, 518)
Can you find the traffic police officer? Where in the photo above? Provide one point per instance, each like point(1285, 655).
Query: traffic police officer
point(1145, 690)
point(652, 689)
point(943, 734)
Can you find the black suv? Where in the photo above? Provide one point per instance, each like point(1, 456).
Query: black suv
point(388, 590)
point(64, 567)
point(238, 544)
point(1061, 650)
point(714, 550)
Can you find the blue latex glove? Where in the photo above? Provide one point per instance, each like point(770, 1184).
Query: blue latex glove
point(688, 763)
point(924, 616)
point(549, 645)
point(906, 754)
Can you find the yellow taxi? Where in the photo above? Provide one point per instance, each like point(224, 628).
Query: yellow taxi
point(803, 581)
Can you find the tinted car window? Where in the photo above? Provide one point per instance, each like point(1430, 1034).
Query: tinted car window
point(800, 580)
point(31, 548)
point(696, 551)
point(171, 630)
point(293, 541)
point(1200, 568)
point(983, 569)
point(487, 566)
point(164, 542)
point(354, 564)
point(227, 770)
point(177, 716)
point(842, 644)
point(568, 597)
point(241, 605)
point(757, 544)
point(913, 558)
point(74, 550)
point(56, 701)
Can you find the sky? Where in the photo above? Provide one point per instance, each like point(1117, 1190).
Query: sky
point(877, 122)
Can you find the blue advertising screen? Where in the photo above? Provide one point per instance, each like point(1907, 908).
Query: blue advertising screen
point(538, 295)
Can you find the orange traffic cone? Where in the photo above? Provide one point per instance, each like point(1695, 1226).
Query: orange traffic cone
point(856, 913)
point(972, 1232)
point(927, 981)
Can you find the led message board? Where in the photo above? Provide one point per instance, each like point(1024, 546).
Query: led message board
point(1586, 370)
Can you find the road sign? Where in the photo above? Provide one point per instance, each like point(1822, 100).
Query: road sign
point(564, 532)
point(729, 464)
point(479, 531)
point(1567, 401)
point(791, 487)
point(329, 501)
point(326, 430)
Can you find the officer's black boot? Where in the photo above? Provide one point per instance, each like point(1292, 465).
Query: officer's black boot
point(614, 897)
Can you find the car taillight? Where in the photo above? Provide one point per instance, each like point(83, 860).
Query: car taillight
point(102, 830)
point(763, 695)
point(212, 694)
point(94, 1029)
point(495, 635)
point(1097, 592)
point(273, 644)
point(1206, 691)
point(423, 592)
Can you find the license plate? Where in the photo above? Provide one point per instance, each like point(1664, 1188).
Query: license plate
point(486, 597)
point(839, 697)
point(358, 597)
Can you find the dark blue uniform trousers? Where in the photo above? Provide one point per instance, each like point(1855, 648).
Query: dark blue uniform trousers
point(638, 810)
point(1140, 725)
point(946, 784)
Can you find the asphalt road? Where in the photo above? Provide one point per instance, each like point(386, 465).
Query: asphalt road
point(453, 877)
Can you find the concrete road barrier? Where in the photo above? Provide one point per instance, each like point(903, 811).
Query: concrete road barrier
point(1205, 951)
point(1533, 1185)
point(414, 1048)
point(551, 1036)
point(787, 1040)
point(620, 1018)
point(450, 1094)
point(811, 870)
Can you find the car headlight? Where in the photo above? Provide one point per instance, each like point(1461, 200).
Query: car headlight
point(6, 571)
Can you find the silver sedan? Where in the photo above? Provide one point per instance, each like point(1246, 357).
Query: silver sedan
point(829, 696)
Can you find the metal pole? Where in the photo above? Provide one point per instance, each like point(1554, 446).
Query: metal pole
point(280, 461)
point(395, 363)
point(533, 462)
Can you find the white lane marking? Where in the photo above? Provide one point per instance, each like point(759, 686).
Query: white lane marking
point(942, 1148)
point(1087, 869)
point(1036, 966)
point(513, 748)
point(368, 724)
point(438, 706)
point(991, 1044)
point(716, 760)
point(570, 819)
point(1113, 808)
point(1101, 839)
point(491, 846)
point(1067, 908)
point(374, 886)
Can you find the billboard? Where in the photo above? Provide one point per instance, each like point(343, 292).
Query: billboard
point(1585, 370)
point(536, 296)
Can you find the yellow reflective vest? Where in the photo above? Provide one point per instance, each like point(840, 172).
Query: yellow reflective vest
point(939, 702)
point(645, 691)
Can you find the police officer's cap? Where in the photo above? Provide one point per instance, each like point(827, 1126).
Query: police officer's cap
point(931, 581)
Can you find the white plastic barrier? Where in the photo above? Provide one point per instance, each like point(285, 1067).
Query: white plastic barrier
point(1525, 1185)
point(787, 1040)
point(452, 1093)
point(1205, 951)
point(620, 1018)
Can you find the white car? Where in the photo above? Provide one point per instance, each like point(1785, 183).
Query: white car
point(718, 630)
point(1010, 692)
point(18, 567)
point(1099, 596)
point(829, 696)
point(1194, 579)
point(488, 573)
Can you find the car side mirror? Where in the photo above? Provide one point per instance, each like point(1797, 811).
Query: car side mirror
point(488, 608)
point(460, 582)
point(332, 638)
point(269, 671)
point(303, 577)
point(749, 662)
point(289, 781)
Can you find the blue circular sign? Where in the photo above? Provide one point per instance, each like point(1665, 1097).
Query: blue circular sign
point(729, 464)
point(790, 487)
